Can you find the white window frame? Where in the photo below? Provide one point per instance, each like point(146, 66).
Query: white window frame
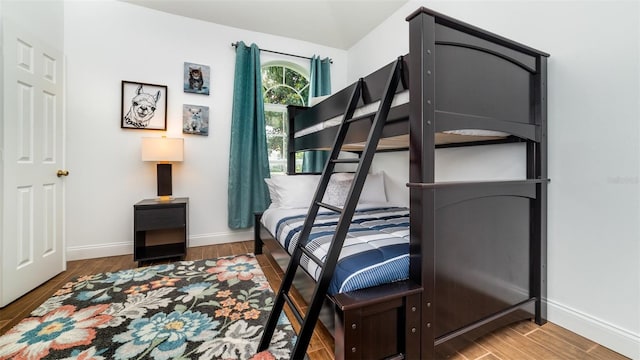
point(283, 109)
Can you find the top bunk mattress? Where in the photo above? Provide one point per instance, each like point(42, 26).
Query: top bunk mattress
point(401, 141)
point(375, 252)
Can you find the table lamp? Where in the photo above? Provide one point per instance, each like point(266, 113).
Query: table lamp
point(164, 151)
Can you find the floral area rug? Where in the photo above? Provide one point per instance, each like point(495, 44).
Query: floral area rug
point(206, 309)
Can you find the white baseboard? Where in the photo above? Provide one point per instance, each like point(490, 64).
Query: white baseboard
point(124, 248)
point(220, 238)
point(98, 251)
point(606, 334)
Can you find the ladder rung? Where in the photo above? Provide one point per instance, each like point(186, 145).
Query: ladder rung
point(361, 117)
point(294, 309)
point(311, 256)
point(346, 161)
point(330, 207)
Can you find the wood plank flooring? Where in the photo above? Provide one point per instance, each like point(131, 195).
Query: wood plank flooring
point(523, 340)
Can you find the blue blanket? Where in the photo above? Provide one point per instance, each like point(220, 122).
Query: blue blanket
point(375, 252)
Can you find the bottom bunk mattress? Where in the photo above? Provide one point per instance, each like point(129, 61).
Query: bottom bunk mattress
point(375, 252)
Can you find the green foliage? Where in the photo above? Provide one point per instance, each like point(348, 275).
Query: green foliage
point(275, 123)
point(295, 79)
point(276, 146)
point(283, 85)
point(272, 76)
point(282, 94)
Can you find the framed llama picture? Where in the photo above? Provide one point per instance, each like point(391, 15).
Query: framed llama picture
point(144, 106)
point(196, 78)
point(195, 119)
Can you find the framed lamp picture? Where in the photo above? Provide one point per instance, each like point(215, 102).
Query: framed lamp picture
point(144, 106)
point(195, 119)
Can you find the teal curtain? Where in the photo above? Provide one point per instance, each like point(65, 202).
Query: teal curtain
point(320, 84)
point(248, 160)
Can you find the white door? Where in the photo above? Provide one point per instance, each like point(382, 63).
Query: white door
point(33, 132)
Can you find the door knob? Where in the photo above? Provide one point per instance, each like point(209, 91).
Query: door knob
point(62, 173)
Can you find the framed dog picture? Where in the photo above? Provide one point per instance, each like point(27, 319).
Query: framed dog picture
point(196, 78)
point(195, 119)
point(144, 106)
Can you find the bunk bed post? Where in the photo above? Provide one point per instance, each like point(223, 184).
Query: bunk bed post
point(292, 111)
point(257, 240)
point(537, 169)
point(421, 153)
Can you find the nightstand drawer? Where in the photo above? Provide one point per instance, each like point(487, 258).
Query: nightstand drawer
point(160, 229)
point(161, 218)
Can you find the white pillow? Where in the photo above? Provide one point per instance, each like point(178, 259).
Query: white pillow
point(373, 190)
point(338, 189)
point(273, 192)
point(295, 191)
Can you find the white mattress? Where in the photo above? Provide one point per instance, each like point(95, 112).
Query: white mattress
point(399, 99)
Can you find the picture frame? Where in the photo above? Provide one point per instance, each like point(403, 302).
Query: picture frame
point(144, 106)
point(196, 78)
point(195, 119)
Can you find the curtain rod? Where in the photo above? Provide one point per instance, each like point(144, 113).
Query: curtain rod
point(235, 45)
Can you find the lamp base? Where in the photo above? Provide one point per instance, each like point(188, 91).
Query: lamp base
point(164, 198)
point(164, 180)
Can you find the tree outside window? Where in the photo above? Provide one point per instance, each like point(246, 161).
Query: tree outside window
point(282, 84)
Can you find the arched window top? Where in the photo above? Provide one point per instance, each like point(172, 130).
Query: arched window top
point(285, 83)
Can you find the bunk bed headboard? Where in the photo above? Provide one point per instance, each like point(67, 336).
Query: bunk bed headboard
point(483, 81)
point(464, 77)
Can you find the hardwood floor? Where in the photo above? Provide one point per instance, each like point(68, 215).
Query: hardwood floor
point(523, 340)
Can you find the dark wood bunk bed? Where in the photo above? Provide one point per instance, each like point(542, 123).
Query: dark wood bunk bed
point(477, 249)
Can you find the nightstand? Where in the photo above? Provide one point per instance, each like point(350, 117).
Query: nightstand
point(160, 229)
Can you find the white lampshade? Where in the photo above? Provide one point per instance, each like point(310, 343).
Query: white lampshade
point(162, 149)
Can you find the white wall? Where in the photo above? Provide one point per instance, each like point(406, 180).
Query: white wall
point(110, 41)
point(594, 152)
point(42, 18)
point(495, 162)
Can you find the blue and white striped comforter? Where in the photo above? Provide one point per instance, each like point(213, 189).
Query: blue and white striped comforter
point(375, 252)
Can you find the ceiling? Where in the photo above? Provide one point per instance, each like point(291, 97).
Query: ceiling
point(334, 23)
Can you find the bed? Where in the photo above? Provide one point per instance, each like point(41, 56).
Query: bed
point(376, 250)
point(476, 249)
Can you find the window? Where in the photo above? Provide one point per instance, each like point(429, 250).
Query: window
point(282, 84)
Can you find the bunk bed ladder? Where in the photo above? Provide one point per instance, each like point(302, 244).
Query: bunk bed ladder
point(327, 266)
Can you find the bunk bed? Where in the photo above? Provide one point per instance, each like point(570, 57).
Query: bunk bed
point(477, 250)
